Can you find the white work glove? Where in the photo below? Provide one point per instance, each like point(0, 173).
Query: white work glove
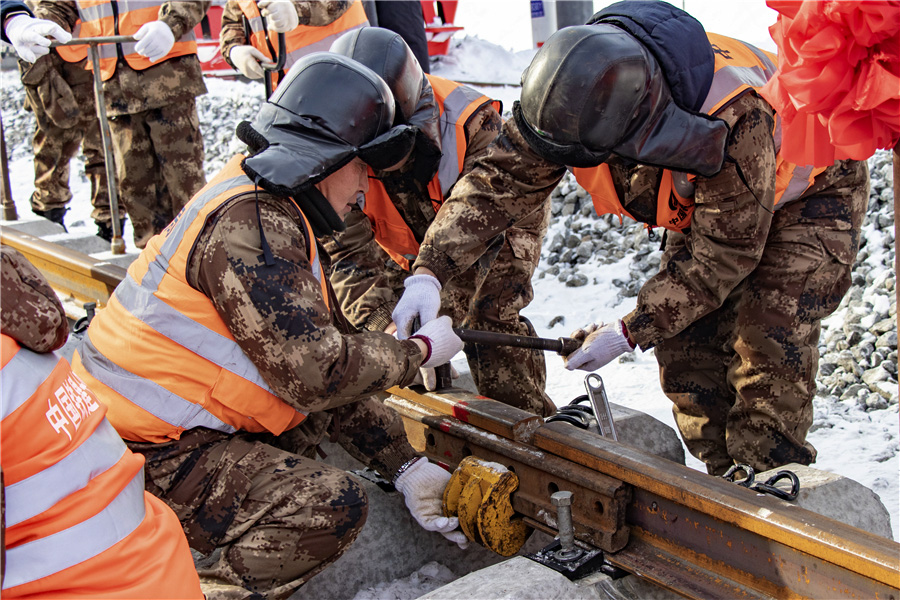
point(601, 343)
point(422, 485)
point(442, 342)
point(155, 39)
point(30, 36)
point(248, 61)
point(422, 299)
point(427, 377)
point(281, 15)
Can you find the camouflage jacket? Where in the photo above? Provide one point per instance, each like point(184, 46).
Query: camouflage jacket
point(129, 91)
point(724, 244)
point(311, 12)
point(279, 318)
point(367, 281)
point(30, 312)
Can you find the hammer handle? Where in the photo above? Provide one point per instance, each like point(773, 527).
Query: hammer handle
point(562, 346)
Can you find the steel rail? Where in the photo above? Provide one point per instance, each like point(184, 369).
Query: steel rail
point(697, 535)
point(71, 274)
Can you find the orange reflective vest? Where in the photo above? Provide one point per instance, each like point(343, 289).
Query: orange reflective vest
point(125, 17)
point(161, 357)
point(303, 39)
point(74, 54)
point(457, 103)
point(78, 521)
point(740, 68)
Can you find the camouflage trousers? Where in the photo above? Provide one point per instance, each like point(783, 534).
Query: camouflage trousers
point(742, 379)
point(159, 164)
point(266, 519)
point(59, 133)
point(489, 297)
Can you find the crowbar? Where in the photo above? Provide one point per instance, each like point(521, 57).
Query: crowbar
point(563, 346)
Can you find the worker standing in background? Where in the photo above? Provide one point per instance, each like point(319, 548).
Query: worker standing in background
point(249, 28)
point(662, 122)
point(60, 92)
point(454, 124)
point(246, 362)
point(76, 521)
point(150, 88)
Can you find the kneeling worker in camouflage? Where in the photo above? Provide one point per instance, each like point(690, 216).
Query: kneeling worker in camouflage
point(224, 359)
point(662, 122)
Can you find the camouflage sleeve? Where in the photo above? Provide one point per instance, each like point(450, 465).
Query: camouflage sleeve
point(366, 280)
point(727, 236)
point(506, 184)
point(232, 32)
point(30, 312)
point(373, 434)
point(182, 16)
point(62, 12)
point(321, 12)
point(278, 315)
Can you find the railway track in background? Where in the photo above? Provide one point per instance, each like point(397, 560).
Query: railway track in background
point(699, 536)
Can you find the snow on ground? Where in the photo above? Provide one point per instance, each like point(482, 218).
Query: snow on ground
point(859, 444)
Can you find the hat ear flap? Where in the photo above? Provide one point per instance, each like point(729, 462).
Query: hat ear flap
point(255, 141)
point(389, 149)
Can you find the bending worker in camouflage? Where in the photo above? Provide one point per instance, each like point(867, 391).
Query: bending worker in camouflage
point(454, 124)
point(249, 30)
point(662, 123)
point(245, 362)
point(150, 88)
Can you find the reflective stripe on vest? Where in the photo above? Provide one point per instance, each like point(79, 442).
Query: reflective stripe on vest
point(155, 306)
point(303, 39)
point(125, 17)
point(48, 555)
point(457, 103)
point(33, 385)
point(74, 54)
point(739, 68)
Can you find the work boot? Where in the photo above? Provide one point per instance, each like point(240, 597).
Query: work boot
point(104, 230)
point(53, 214)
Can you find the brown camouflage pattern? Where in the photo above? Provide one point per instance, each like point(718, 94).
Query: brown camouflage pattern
point(30, 311)
point(315, 13)
point(61, 127)
point(159, 164)
point(763, 377)
point(488, 296)
point(265, 519)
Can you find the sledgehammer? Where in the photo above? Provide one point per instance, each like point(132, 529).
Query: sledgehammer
point(563, 346)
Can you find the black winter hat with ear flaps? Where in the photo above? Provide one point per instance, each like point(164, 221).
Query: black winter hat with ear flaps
point(327, 110)
point(629, 83)
point(386, 53)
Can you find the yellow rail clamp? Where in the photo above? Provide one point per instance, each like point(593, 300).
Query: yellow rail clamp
point(479, 494)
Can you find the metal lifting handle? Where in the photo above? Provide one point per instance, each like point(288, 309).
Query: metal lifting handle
point(117, 244)
point(280, 58)
point(597, 393)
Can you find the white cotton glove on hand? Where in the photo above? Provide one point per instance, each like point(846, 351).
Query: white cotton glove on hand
point(422, 299)
point(281, 15)
point(442, 342)
point(427, 377)
point(249, 61)
point(155, 39)
point(31, 37)
point(602, 343)
point(422, 486)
